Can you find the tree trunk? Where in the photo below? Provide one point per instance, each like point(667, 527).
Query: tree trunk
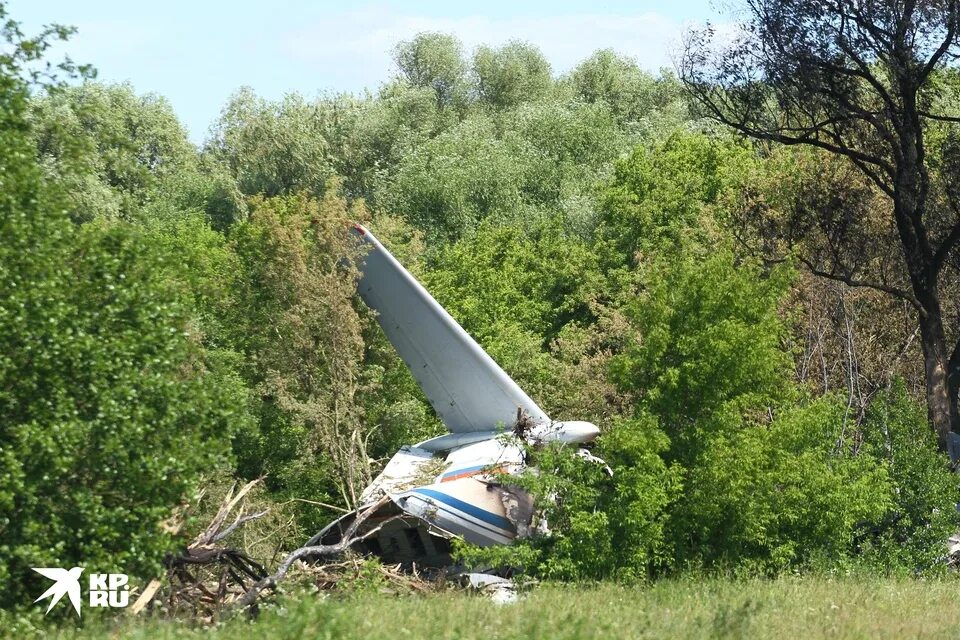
point(941, 388)
point(910, 201)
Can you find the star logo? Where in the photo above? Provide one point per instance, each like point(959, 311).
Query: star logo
point(65, 583)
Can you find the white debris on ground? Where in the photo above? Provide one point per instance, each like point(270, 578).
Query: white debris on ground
point(953, 551)
point(499, 590)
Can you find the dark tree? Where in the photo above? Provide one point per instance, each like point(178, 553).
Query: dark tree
point(867, 81)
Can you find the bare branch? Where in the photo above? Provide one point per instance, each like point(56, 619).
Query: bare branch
point(948, 39)
point(229, 502)
point(852, 282)
point(241, 519)
point(808, 137)
point(937, 116)
point(348, 539)
point(946, 246)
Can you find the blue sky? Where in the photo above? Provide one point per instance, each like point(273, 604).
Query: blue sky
point(196, 53)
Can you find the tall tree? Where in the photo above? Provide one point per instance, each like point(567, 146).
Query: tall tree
point(433, 60)
point(516, 72)
point(863, 80)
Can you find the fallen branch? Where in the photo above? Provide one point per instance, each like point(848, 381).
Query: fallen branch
point(210, 534)
point(204, 560)
point(348, 539)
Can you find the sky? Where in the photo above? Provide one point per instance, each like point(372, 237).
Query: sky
point(197, 53)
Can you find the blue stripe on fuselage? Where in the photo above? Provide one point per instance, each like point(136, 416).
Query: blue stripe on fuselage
point(457, 472)
point(466, 507)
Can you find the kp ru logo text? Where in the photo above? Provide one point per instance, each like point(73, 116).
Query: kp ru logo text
point(105, 589)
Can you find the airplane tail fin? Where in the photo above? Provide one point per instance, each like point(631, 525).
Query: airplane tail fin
point(468, 390)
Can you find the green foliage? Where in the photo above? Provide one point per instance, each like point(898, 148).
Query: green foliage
point(519, 166)
point(103, 380)
point(707, 341)
point(112, 149)
point(503, 275)
point(111, 407)
point(450, 183)
point(601, 526)
point(665, 198)
point(271, 148)
point(631, 93)
point(300, 335)
point(767, 498)
point(434, 61)
point(514, 73)
point(925, 492)
point(764, 489)
point(516, 293)
point(607, 527)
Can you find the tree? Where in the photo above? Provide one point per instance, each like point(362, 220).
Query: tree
point(301, 338)
point(112, 148)
point(514, 73)
point(433, 60)
point(272, 148)
point(863, 81)
point(629, 91)
point(111, 408)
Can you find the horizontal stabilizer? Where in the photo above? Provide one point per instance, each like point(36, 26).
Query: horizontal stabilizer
point(468, 390)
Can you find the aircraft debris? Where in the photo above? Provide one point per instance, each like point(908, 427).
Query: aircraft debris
point(451, 485)
point(499, 590)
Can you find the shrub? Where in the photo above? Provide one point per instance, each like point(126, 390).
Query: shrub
point(924, 491)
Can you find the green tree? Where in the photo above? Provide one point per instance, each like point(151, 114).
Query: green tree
point(708, 337)
point(271, 148)
point(111, 407)
point(301, 339)
point(369, 136)
point(447, 185)
point(514, 73)
point(670, 197)
point(112, 149)
point(630, 92)
point(435, 61)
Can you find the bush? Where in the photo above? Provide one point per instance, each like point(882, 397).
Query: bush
point(772, 498)
point(111, 407)
point(601, 526)
point(924, 491)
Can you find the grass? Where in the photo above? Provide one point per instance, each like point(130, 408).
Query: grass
point(808, 607)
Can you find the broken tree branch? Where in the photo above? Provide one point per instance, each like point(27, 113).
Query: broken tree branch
point(348, 539)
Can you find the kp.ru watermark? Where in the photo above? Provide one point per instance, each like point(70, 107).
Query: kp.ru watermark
point(105, 589)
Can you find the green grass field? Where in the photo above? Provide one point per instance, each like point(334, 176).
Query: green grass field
point(785, 608)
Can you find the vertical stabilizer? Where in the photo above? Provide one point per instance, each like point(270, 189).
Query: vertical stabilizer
point(466, 387)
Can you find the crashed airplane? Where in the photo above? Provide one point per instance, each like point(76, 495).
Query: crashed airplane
point(451, 485)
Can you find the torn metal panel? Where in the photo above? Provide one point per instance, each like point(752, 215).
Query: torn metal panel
point(518, 508)
point(409, 467)
point(589, 457)
point(485, 459)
